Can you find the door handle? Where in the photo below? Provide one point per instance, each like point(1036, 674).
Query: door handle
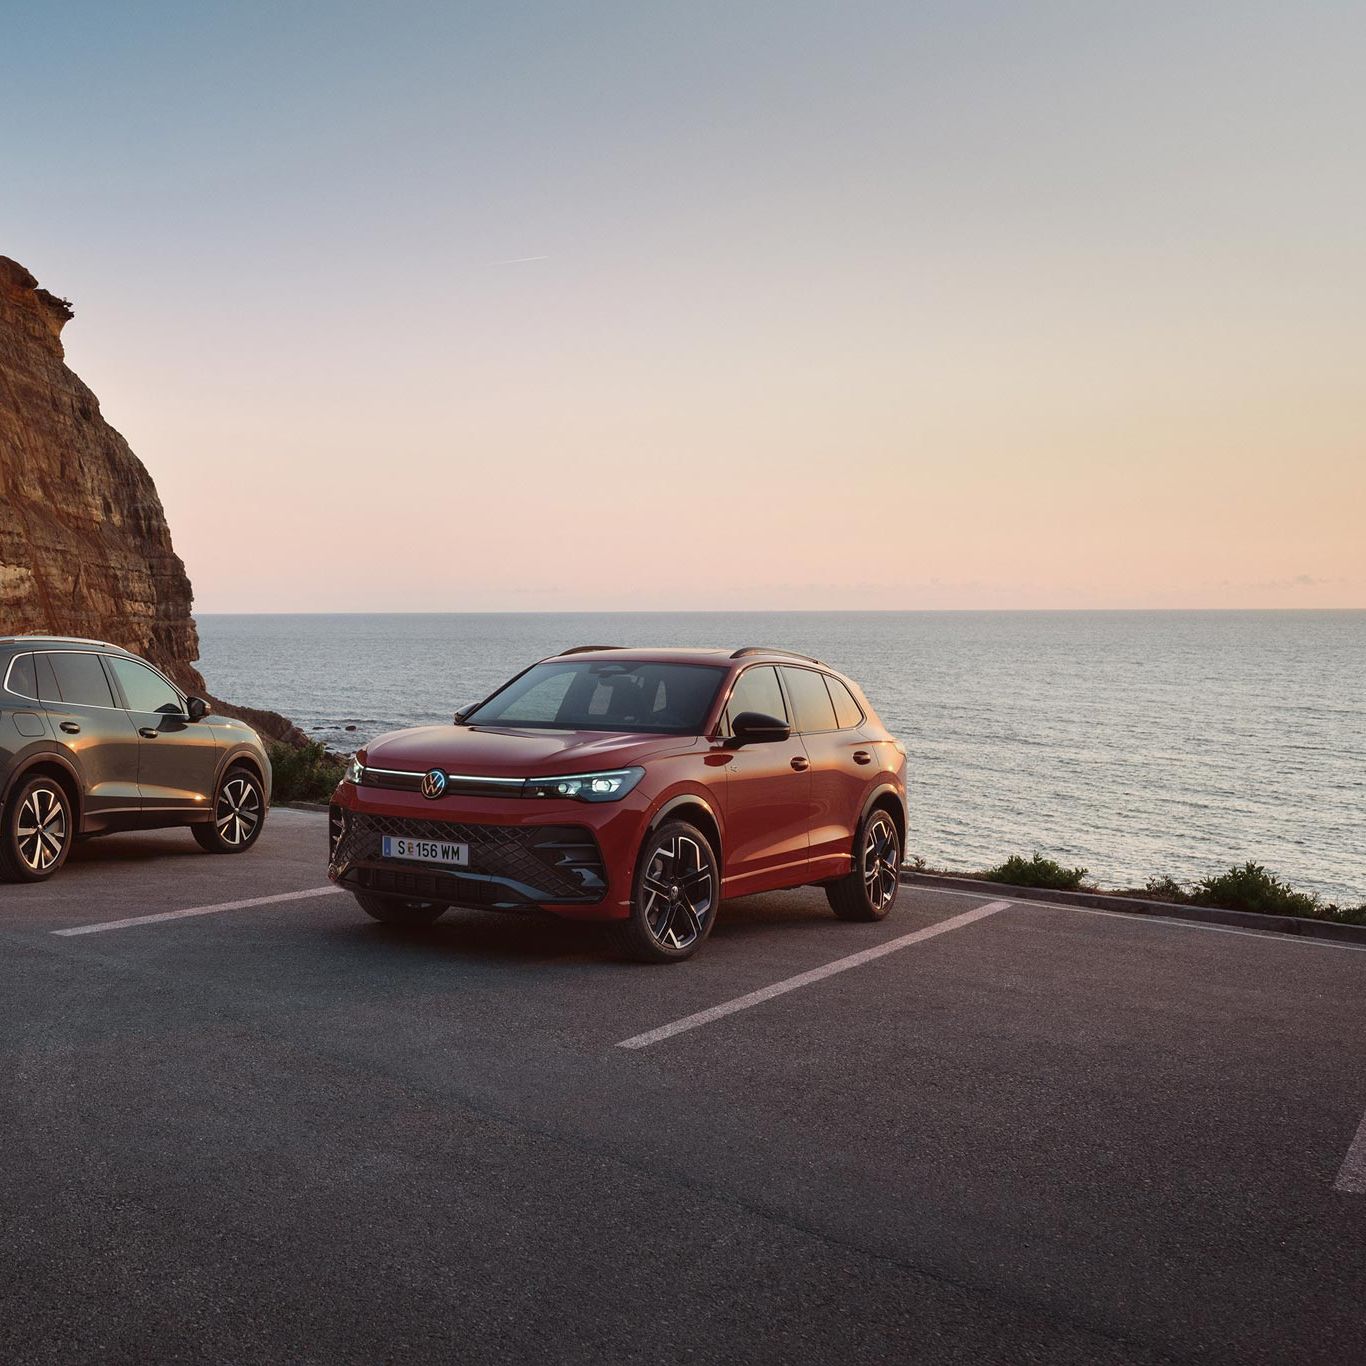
point(71, 727)
point(800, 763)
point(148, 732)
point(861, 756)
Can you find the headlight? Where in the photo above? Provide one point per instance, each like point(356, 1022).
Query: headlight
point(355, 771)
point(611, 786)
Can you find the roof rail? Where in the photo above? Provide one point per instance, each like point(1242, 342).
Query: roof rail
point(588, 649)
point(770, 650)
point(64, 640)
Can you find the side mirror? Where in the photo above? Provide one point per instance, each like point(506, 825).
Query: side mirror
point(462, 712)
point(754, 728)
point(196, 708)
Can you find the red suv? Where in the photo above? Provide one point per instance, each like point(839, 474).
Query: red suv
point(636, 787)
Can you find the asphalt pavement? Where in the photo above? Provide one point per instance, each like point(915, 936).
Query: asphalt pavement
point(278, 1131)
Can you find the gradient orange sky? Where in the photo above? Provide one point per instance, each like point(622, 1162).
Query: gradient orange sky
point(440, 307)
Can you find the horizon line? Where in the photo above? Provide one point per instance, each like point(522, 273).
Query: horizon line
point(750, 611)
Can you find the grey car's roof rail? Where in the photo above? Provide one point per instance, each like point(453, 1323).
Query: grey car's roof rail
point(29, 637)
point(769, 650)
point(587, 649)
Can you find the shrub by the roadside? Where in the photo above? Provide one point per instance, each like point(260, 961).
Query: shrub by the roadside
point(306, 773)
point(1036, 872)
point(1251, 888)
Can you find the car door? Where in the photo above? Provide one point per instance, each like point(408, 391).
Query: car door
point(841, 764)
point(177, 757)
point(95, 732)
point(767, 794)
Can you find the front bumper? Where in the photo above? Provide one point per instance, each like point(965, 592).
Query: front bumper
point(573, 858)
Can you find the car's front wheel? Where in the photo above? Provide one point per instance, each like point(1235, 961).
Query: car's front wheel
point(239, 812)
point(37, 831)
point(868, 891)
point(392, 911)
point(674, 898)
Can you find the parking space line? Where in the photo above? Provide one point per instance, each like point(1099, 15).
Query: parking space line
point(198, 910)
point(1352, 1178)
point(1143, 918)
point(803, 979)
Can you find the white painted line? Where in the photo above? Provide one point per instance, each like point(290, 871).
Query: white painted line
point(854, 960)
point(1352, 1178)
point(1142, 918)
point(198, 910)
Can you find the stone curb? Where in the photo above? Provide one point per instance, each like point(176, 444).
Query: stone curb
point(1281, 924)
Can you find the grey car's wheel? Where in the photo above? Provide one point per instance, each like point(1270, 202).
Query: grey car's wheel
point(394, 911)
point(239, 812)
point(868, 891)
point(38, 831)
point(674, 898)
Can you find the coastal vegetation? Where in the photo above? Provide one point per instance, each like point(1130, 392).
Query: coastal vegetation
point(1243, 887)
point(304, 773)
point(1036, 872)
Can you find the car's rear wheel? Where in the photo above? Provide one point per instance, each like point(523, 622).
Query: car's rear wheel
point(393, 911)
point(239, 812)
point(38, 830)
point(674, 897)
point(868, 891)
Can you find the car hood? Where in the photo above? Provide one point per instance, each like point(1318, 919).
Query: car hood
point(490, 752)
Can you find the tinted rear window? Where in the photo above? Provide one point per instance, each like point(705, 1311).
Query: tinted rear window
point(847, 712)
point(810, 701)
point(22, 679)
point(608, 695)
point(80, 679)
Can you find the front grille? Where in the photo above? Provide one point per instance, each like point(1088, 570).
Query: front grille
point(528, 863)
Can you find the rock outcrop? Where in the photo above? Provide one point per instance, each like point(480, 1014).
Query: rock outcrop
point(84, 545)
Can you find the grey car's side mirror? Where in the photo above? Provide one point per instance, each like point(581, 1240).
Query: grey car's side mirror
point(462, 712)
point(196, 708)
point(753, 727)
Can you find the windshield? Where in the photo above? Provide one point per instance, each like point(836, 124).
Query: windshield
point(611, 695)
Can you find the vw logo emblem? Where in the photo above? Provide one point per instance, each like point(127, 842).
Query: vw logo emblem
point(433, 783)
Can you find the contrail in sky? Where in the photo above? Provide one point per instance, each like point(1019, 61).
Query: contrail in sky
point(517, 260)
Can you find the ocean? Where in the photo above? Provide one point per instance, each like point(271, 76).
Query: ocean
point(1133, 743)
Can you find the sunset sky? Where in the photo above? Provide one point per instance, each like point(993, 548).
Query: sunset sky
point(632, 305)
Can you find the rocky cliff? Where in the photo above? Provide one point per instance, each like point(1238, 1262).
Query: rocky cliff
point(84, 545)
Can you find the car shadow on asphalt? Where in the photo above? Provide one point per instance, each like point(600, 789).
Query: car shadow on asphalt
point(541, 938)
point(132, 848)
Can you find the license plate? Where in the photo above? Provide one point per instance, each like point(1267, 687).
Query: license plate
point(426, 851)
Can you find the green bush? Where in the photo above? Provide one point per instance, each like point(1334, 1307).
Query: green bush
point(306, 773)
point(1165, 889)
point(1252, 888)
point(1036, 872)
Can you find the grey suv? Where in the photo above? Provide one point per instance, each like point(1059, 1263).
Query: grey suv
point(94, 739)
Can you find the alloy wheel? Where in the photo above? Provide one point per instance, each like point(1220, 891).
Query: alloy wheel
point(679, 892)
point(238, 811)
point(881, 861)
point(41, 829)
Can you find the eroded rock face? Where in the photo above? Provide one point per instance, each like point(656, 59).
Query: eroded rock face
point(84, 545)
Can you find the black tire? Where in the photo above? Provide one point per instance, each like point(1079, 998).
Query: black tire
point(868, 891)
point(674, 896)
point(37, 831)
point(239, 813)
point(393, 911)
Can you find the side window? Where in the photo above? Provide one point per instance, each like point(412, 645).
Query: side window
point(48, 690)
point(145, 690)
point(22, 679)
point(757, 690)
point(80, 678)
point(848, 713)
point(810, 700)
